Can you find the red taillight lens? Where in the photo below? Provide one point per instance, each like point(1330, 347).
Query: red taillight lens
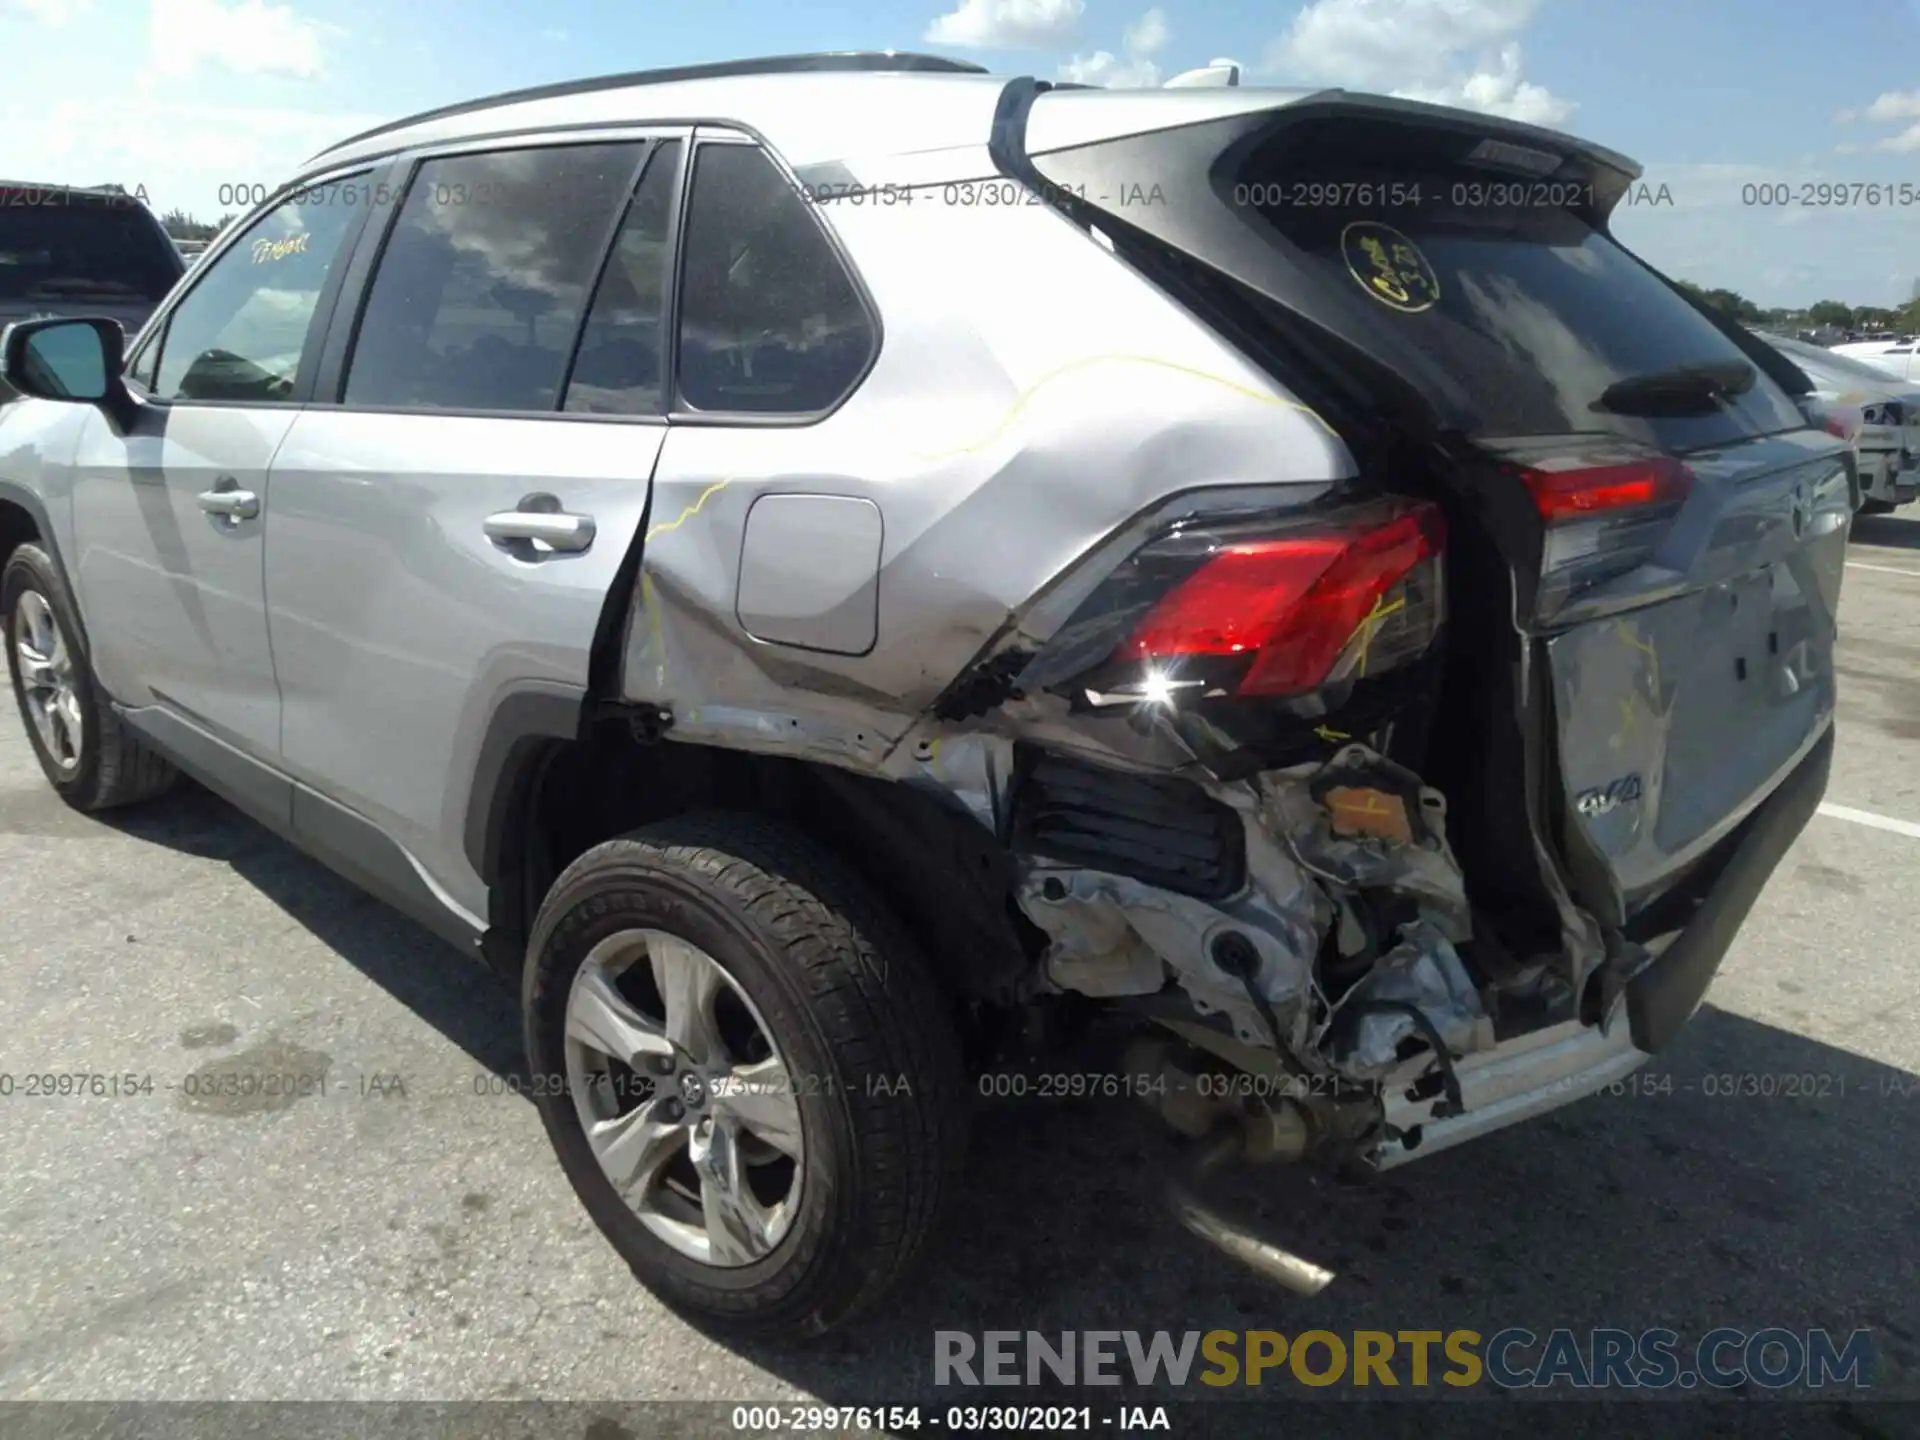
point(1301, 603)
point(1577, 490)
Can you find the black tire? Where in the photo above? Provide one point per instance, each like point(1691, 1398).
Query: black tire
point(113, 768)
point(1877, 507)
point(845, 994)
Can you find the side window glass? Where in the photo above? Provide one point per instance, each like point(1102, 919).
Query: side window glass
point(238, 334)
point(619, 367)
point(480, 289)
point(770, 321)
point(141, 369)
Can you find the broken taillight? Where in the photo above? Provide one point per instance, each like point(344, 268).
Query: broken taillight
point(1303, 604)
point(1603, 512)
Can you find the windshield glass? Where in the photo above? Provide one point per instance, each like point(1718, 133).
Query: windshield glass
point(90, 250)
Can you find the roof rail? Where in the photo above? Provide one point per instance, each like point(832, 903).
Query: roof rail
point(831, 60)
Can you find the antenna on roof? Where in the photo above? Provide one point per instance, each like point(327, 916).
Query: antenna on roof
point(1221, 73)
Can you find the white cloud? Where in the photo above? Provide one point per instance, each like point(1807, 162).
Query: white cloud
point(1499, 91)
point(50, 12)
point(1451, 52)
point(1103, 67)
point(202, 158)
point(1147, 35)
point(1904, 143)
point(1133, 68)
point(1894, 105)
point(252, 37)
point(1007, 24)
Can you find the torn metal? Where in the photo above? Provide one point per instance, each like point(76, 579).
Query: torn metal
point(1322, 839)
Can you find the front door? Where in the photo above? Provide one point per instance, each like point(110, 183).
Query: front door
point(169, 513)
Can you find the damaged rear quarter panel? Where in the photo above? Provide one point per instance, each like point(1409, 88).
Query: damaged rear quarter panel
point(1030, 396)
point(1031, 401)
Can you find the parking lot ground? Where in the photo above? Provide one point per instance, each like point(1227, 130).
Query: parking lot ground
point(406, 1234)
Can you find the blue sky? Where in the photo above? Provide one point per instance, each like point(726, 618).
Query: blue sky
point(185, 96)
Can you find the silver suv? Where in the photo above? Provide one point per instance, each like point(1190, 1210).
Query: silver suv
point(824, 570)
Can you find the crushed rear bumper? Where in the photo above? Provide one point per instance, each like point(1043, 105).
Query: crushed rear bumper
point(1533, 1074)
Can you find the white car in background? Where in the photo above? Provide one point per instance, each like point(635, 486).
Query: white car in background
point(1899, 358)
point(1873, 411)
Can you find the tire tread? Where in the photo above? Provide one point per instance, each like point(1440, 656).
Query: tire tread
point(871, 993)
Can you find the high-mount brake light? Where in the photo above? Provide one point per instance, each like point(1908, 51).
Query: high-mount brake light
point(1307, 604)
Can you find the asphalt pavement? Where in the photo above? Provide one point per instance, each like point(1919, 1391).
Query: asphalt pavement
point(404, 1233)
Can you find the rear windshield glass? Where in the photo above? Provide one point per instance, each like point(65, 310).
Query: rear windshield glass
point(82, 251)
point(1531, 310)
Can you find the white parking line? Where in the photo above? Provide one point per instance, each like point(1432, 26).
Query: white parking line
point(1882, 569)
point(1867, 817)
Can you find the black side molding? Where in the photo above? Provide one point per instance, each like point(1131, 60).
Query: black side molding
point(526, 719)
point(1662, 998)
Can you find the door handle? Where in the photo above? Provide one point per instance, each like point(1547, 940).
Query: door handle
point(555, 529)
point(228, 500)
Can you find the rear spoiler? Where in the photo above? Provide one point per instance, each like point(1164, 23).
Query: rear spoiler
point(1099, 116)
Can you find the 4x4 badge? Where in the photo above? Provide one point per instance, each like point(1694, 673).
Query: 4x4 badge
point(1603, 798)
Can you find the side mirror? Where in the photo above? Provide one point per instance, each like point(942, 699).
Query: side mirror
point(64, 359)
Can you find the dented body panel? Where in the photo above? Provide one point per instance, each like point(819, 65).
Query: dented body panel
point(934, 632)
point(1039, 443)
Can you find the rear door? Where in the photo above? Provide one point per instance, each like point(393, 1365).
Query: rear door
point(450, 514)
point(1676, 531)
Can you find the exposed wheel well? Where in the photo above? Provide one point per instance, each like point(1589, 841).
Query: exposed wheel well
point(947, 876)
point(16, 529)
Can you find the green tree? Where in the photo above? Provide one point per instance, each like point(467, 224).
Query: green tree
point(182, 226)
point(1728, 302)
point(1830, 312)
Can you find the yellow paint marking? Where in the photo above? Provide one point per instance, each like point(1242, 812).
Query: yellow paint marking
point(1327, 732)
point(651, 601)
point(1021, 401)
point(691, 511)
point(1371, 623)
point(1645, 647)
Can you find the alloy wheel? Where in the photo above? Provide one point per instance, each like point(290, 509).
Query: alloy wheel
point(47, 678)
point(685, 1098)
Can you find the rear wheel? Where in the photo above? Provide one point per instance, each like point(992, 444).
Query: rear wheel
point(1877, 507)
point(86, 753)
point(745, 1069)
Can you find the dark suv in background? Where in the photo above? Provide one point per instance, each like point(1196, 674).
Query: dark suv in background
point(66, 250)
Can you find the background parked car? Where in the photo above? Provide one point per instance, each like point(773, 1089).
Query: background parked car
point(1873, 411)
point(67, 250)
point(1898, 357)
